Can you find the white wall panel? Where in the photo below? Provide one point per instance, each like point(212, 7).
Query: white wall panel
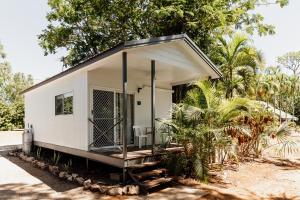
point(163, 105)
point(64, 130)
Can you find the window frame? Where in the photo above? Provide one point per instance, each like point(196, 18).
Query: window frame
point(63, 96)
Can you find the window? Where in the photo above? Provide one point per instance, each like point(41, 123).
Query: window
point(64, 104)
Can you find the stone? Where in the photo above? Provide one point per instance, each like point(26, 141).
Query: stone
point(34, 163)
point(74, 175)
point(53, 169)
point(79, 180)
point(94, 187)
point(22, 156)
point(114, 191)
point(30, 159)
point(62, 174)
point(131, 190)
point(70, 178)
point(87, 184)
point(102, 189)
point(42, 165)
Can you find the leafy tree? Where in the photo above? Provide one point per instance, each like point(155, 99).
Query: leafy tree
point(11, 102)
point(5, 117)
point(5, 71)
point(278, 88)
point(290, 61)
point(87, 27)
point(297, 110)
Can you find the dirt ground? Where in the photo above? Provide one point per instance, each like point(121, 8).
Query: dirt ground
point(271, 177)
point(268, 178)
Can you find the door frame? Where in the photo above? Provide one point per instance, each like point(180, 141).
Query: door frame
point(91, 107)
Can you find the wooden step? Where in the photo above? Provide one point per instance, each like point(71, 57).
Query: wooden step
point(151, 173)
point(148, 184)
point(144, 165)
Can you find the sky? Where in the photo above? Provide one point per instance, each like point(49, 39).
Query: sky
point(287, 37)
point(22, 20)
point(20, 23)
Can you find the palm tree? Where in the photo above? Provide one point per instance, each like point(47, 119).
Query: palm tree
point(208, 125)
point(199, 124)
point(239, 62)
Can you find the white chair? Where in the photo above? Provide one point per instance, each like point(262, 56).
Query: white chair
point(140, 133)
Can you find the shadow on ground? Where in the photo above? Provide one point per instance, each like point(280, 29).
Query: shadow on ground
point(54, 183)
point(286, 164)
point(217, 192)
point(20, 191)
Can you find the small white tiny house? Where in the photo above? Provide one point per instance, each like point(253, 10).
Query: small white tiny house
point(81, 110)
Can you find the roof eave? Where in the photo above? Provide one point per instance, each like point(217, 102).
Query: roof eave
point(164, 39)
point(190, 42)
point(127, 45)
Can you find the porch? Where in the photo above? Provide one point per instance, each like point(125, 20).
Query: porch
point(133, 87)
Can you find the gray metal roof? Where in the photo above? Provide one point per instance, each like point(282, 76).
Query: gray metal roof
point(126, 45)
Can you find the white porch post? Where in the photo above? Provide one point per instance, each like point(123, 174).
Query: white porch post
point(124, 80)
point(153, 103)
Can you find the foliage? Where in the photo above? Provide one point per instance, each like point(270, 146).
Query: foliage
point(239, 63)
point(279, 90)
point(67, 166)
point(177, 164)
point(87, 27)
point(284, 143)
point(252, 130)
point(297, 110)
point(56, 157)
point(197, 126)
point(5, 117)
point(11, 101)
point(39, 152)
point(212, 128)
point(290, 61)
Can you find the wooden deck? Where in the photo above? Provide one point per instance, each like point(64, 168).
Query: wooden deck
point(136, 153)
point(112, 156)
point(138, 156)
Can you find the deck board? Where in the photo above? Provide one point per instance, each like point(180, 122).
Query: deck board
point(135, 153)
point(111, 157)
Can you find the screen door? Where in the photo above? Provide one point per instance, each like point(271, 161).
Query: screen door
point(103, 116)
point(107, 111)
